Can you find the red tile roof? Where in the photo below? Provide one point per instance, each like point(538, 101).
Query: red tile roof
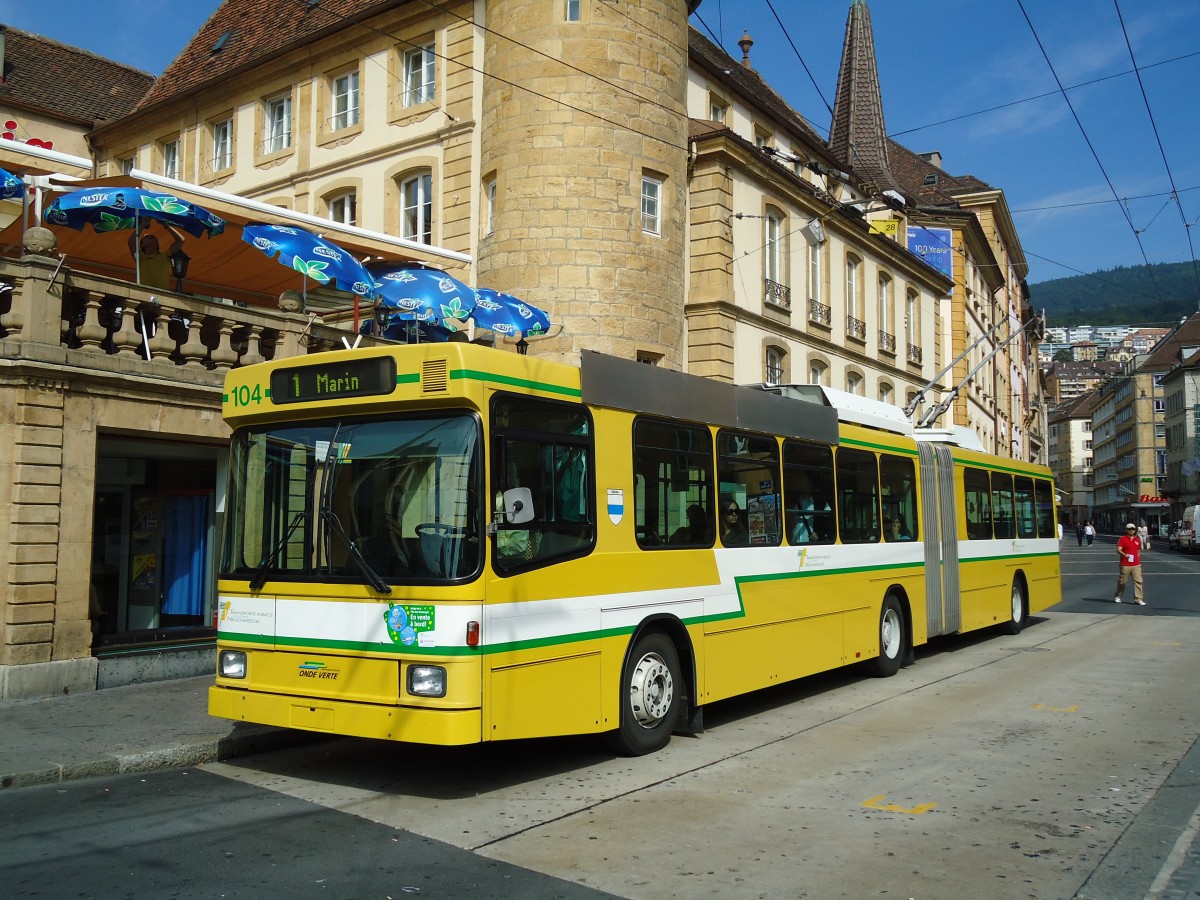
point(66, 82)
point(253, 31)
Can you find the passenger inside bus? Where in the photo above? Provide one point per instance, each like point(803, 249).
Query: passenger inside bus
point(733, 529)
point(809, 515)
point(696, 529)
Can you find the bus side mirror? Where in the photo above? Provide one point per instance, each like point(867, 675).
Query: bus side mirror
point(518, 506)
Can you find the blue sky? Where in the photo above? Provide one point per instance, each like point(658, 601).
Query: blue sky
point(942, 65)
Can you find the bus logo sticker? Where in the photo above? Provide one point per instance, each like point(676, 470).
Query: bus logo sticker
point(616, 505)
point(313, 669)
point(408, 625)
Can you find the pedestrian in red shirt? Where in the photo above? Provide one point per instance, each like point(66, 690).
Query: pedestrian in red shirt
point(1130, 550)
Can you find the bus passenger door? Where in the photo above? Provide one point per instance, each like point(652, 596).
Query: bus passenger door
point(943, 598)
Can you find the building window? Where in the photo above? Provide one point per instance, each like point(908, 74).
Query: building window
point(651, 204)
point(910, 317)
point(716, 111)
point(416, 216)
point(343, 208)
point(814, 271)
point(885, 303)
point(854, 383)
point(774, 247)
point(278, 125)
point(170, 158)
point(572, 10)
point(885, 393)
point(774, 368)
point(222, 138)
point(345, 101)
point(418, 75)
point(126, 165)
point(818, 373)
point(489, 206)
point(853, 286)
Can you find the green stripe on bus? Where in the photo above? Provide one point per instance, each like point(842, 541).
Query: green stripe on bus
point(408, 378)
point(1011, 557)
point(516, 382)
point(889, 448)
point(996, 467)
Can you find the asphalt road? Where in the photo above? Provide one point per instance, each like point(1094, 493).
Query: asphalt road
point(1061, 762)
point(1172, 579)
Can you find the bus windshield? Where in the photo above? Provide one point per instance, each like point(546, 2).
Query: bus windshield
point(375, 501)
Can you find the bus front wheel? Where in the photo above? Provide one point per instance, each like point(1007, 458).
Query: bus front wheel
point(650, 696)
point(891, 638)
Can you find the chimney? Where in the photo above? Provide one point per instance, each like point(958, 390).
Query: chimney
point(933, 157)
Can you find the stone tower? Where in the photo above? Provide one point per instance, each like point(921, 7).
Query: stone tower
point(575, 115)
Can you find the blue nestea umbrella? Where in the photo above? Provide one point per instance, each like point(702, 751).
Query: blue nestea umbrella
point(11, 187)
point(121, 208)
point(314, 257)
point(419, 294)
point(505, 314)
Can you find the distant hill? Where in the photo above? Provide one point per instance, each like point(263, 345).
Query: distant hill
point(1121, 296)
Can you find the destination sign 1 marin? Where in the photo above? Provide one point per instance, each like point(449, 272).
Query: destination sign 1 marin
point(336, 379)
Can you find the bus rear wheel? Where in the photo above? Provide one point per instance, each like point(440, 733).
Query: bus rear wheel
point(650, 696)
point(891, 638)
point(1017, 615)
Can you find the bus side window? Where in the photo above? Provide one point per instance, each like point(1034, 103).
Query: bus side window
point(1024, 507)
point(977, 496)
point(748, 482)
point(545, 447)
point(672, 473)
point(1044, 491)
point(858, 496)
point(899, 498)
point(1002, 506)
point(808, 493)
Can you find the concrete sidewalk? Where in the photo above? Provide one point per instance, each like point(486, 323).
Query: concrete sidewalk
point(123, 729)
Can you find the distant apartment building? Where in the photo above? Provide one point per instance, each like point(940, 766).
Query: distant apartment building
point(1065, 381)
point(1071, 456)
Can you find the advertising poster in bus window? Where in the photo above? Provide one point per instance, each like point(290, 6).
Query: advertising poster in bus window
point(762, 517)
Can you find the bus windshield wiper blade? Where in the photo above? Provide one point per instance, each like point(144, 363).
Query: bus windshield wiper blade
point(260, 574)
point(373, 577)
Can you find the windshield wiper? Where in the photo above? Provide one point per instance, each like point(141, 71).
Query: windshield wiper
point(335, 527)
point(260, 574)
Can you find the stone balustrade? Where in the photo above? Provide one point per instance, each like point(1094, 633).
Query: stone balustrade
point(87, 317)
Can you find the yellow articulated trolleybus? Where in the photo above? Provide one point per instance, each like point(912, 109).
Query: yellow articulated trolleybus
point(448, 544)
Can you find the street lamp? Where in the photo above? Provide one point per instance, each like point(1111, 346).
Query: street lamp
point(179, 266)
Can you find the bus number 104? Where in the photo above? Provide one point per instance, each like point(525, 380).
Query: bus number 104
point(244, 395)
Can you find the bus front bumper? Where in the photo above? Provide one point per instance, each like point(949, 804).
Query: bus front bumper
point(444, 727)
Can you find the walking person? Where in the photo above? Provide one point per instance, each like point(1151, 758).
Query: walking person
point(1089, 531)
point(1143, 534)
point(1079, 531)
point(1129, 548)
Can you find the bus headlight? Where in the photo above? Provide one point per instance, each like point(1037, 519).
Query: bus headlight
point(232, 664)
point(427, 681)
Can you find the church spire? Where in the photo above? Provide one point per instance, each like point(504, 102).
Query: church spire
point(857, 135)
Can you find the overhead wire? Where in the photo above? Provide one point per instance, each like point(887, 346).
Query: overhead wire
point(1187, 229)
point(1087, 140)
point(1011, 103)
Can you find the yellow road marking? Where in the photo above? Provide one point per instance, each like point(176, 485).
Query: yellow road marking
point(876, 802)
point(1045, 708)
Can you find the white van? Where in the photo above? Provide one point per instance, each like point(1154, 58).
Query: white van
point(1188, 527)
